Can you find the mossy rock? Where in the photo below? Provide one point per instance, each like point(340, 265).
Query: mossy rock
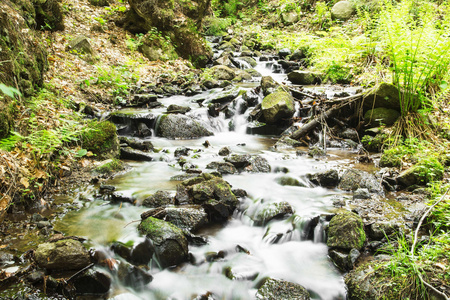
point(156, 47)
point(101, 139)
point(110, 166)
point(374, 144)
point(62, 255)
point(23, 56)
point(277, 106)
point(181, 127)
point(346, 231)
point(171, 246)
point(380, 115)
point(390, 160)
point(278, 289)
point(6, 119)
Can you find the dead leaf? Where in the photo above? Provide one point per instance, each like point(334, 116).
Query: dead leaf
point(40, 174)
point(24, 182)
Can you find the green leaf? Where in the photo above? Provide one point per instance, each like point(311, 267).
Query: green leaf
point(81, 153)
point(9, 91)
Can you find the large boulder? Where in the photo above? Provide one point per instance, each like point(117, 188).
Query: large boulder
point(176, 126)
point(342, 10)
point(383, 95)
point(381, 116)
point(277, 106)
point(278, 289)
point(353, 179)
point(171, 246)
point(179, 20)
point(92, 283)
point(62, 255)
point(269, 211)
point(268, 85)
point(346, 231)
point(222, 73)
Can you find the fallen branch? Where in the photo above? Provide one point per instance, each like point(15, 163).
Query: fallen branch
point(324, 116)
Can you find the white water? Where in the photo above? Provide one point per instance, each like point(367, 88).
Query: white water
point(301, 261)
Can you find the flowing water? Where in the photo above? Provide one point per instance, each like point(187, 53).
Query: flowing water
point(278, 249)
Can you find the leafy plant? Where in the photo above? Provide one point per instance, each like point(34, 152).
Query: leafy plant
point(9, 91)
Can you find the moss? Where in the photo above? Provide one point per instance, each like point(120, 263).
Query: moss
point(346, 231)
point(101, 139)
point(114, 165)
point(390, 160)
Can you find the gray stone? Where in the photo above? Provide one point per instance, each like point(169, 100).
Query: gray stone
point(343, 10)
point(361, 194)
point(340, 259)
point(352, 179)
point(289, 181)
point(268, 85)
point(190, 217)
point(223, 167)
point(62, 255)
point(181, 127)
point(92, 283)
point(278, 289)
point(222, 73)
point(224, 151)
point(379, 230)
point(328, 178)
point(133, 154)
point(270, 211)
point(383, 95)
point(226, 95)
point(284, 52)
point(289, 18)
point(81, 45)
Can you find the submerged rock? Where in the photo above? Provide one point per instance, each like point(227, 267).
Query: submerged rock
point(171, 246)
point(270, 211)
point(277, 106)
point(346, 231)
point(181, 127)
point(62, 255)
point(278, 289)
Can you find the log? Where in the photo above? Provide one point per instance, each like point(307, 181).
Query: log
point(325, 115)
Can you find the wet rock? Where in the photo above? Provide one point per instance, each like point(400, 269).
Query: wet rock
point(226, 95)
point(143, 100)
point(328, 178)
point(183, 151)
point(190, 217)
point(142, 253)
point(304, 77)
point(361, 284)
point(250, 163)
point(121, 250)
point(36, 277)
point(350, 133)
point(213, 193)
point(251, 98)
point(241, 76)
point(268, 85)
point(381, 116)
point(223, 167)
point(171, 247)
point(181, 127)
point(177, 109)
point(316, 152)
point(340, 259)
point(62, 255)
point(129, 120)
point(298, 54)
point(278, 289)
point(353, 179)
point(133, 276)
point(118, 197)
point(92, 282)
point(361, 194)
point(240, 193)
point(289, 181)
point(277, 106)
point(136, 143)
point(6, 258)
point(253, 73)
point(133, 154)
point(240, 273)
point(346, 231)
point(158, 199)
point(342, 10)
point(224, 151)
point(270, 211)
point(250, 61)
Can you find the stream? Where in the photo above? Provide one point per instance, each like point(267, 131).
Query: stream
point(279, 248)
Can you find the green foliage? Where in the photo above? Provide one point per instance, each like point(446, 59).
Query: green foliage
point(9, 91)
point(337, 73)
point(133, 43)
point(429, 169)
point(322, 15)
point(416, 42)
point(216, 26)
